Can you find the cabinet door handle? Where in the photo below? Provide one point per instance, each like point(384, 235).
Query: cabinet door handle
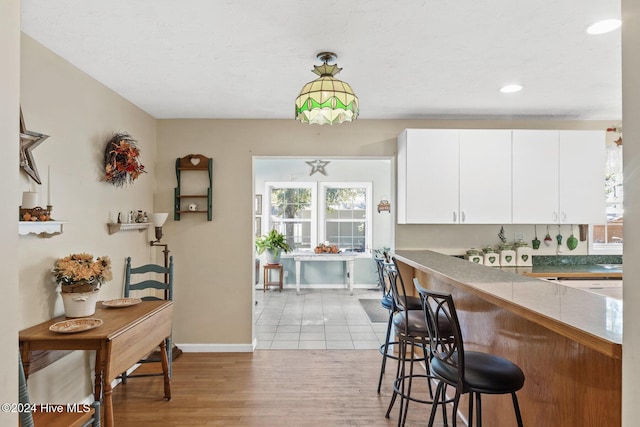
point(455, 218)
point(564, 217)
point(464, 217)
point(555, 217)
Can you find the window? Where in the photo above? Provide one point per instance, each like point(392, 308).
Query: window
point(341, 215)
point(292, 211)
point(607, 238)
point(345, 215)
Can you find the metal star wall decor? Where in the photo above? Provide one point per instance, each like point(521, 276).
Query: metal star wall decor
point(318, 166)
point(28, 142)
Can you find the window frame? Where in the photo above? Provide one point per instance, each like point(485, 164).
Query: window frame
point(269, 186)
point(610, 203)
point(318, 206)
point(368, 186)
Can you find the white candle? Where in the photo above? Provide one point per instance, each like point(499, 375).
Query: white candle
point(49, 186)
point(29, 199)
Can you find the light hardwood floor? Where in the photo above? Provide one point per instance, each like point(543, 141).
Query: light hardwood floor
point(267, 388)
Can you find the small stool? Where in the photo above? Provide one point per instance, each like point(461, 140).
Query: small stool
point(267, 279)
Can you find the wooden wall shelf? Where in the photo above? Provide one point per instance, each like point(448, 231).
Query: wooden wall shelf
point(193, 162)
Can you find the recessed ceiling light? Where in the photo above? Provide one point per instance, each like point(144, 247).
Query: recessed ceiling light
point(511, 88)
point(605, 26)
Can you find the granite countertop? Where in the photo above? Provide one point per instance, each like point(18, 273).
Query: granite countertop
point(591, 319)
point(580, 271)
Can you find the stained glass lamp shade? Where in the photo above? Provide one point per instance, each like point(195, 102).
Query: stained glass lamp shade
point(326, 100)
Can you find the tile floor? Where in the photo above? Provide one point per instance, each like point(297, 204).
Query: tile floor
point(316, 319)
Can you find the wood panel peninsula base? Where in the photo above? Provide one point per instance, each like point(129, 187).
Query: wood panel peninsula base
point(567, 341)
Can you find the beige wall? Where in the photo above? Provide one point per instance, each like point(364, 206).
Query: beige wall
point(214, 259)
point(631, 120)
point(80, 115)
point(9, 119)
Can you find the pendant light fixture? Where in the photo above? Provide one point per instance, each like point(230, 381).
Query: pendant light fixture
point(326, 99)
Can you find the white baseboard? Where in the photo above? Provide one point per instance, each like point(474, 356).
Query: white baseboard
point(216, 348)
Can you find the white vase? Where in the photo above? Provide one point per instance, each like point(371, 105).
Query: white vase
point(272, 258)
point(79, 304)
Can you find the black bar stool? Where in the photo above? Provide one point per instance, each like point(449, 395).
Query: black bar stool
point(412, 333)
point(470, 372)
point(387, 301)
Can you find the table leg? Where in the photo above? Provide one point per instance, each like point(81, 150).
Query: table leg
point(108, 405)
point(265, 276)
point(350, 275)
point(100, 381)
point(297, 277)
point(165, 370)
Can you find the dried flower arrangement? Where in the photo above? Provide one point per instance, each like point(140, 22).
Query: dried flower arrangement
point(80, 273)
point(121, 162)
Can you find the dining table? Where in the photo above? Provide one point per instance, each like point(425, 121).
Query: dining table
point(120, 335)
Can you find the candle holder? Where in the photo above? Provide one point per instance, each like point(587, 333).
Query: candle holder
point(35, 214)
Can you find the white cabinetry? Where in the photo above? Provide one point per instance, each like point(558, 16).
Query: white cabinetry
point(454, 176)
point(485, 176)
point(582, 175)
point(558, 177)
point(428, 176)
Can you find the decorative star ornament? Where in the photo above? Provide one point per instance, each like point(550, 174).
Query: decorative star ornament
point(28, 142)
point(318, 166)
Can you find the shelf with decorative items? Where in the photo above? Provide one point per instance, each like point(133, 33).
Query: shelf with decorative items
point(36, 220)
point(117, 227)
point(187, 203)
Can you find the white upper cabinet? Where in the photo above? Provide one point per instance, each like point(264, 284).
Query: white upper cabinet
point(558, 177)
point(448, 176)
point(535, 176)
point(428, 176)
point(485, 176)
point(582, 177)
point(454, 176)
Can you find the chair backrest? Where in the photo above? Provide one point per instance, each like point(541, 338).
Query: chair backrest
point(445, 335)
point(380, 265)
point(166, 284)
point(26, 419)
point(397, 285)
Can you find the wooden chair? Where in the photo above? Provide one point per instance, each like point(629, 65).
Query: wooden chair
point(470, 372)
point(65, 418)
point(166, 285)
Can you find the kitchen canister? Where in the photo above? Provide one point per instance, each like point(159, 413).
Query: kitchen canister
point(474, 255)
point(490, 257)
point(507, 256)
point(523, 254)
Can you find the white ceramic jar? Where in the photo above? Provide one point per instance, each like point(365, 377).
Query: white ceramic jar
point(490, 257)
point(474, 255)
point(507, 256)
point(523, 255)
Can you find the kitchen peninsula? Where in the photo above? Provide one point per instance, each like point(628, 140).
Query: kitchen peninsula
point(567, 341)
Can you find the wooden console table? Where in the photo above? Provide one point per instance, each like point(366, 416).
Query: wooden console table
point(347, 259)
point(127, 335)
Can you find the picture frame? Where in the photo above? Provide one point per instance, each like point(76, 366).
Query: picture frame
point(258, 226)
point(258, 204)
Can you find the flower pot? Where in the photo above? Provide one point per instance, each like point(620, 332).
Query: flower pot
point(272, 258)
point(79, 304)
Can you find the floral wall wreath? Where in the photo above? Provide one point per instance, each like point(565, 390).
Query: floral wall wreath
point(121, 163)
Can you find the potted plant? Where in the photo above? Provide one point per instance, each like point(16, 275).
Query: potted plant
point(80, 278)
point(273, 243)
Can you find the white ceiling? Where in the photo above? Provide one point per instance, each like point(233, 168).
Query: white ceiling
point(404, 58)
